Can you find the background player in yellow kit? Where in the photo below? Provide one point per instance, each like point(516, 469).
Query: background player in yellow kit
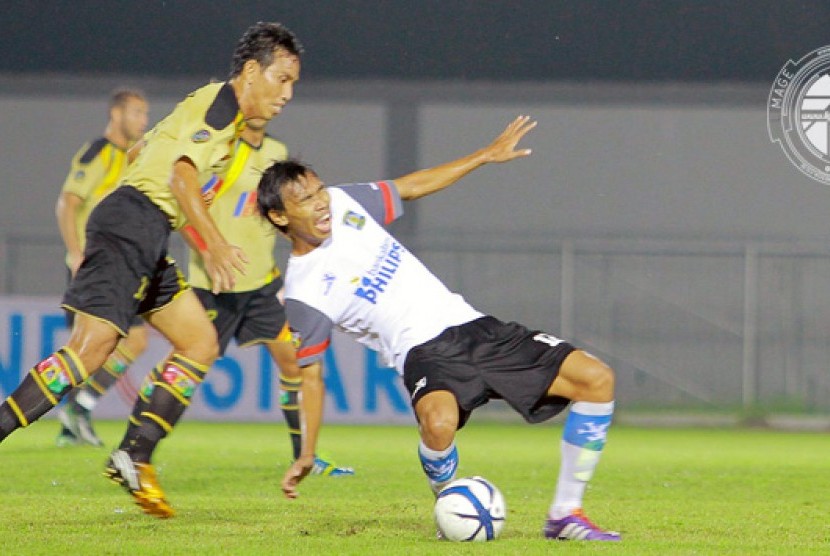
point(97, 169)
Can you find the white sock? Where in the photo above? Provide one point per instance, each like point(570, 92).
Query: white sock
point(86, 400)
point(582, 441)
point(438, 465)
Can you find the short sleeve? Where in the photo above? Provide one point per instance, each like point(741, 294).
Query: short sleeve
point(380, 199)
point(86, 171)
point(310, 330)
point(198, 134)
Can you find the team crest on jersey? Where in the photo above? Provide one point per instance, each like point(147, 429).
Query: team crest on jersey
point(200, 136)
point(79, 175)
point(355, 220)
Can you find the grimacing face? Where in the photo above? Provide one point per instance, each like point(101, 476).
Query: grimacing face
point(307, 213)
point(266, 90)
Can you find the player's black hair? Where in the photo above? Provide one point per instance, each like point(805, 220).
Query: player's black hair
point(259, 43)
point(274, 179)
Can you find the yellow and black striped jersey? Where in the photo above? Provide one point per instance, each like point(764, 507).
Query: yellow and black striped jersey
point(96, 170)
point(203, 128)
point(232, 199)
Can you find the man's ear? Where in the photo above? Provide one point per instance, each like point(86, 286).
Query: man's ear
point(248, 68)
point(277, 217)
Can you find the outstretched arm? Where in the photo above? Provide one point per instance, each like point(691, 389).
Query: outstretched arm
point(502, 149)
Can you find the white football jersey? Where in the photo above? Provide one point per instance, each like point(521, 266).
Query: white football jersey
point(364, 282)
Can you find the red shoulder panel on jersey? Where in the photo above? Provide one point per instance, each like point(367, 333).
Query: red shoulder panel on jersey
point(389, 206)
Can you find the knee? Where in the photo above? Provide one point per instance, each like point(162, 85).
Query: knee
point(203, 348)
point(291, 372)
point(438, 428)
point(598, 382)
point(310, 375)
point(91, 348)
point(283, 355)
point(136, 342)
point(211, 349)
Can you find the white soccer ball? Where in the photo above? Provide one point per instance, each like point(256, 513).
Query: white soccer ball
point(470, 509)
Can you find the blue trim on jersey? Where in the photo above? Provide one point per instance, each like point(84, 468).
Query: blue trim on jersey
point(210, 183)
point(240, 204)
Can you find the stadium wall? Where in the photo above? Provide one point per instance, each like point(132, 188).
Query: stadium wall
point(655, 224)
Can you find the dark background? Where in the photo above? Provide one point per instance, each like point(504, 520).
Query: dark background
point(634, 40)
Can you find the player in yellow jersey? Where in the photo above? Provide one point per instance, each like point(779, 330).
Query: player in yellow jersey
point(96, 170)
point(126, 271)
point(252, 312)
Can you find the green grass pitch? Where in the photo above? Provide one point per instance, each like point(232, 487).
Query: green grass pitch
point(669, 491)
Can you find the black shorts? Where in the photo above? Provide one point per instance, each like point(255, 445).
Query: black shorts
point(70, 315)
point(251, 317)
point(126, 270)
point(488, 359)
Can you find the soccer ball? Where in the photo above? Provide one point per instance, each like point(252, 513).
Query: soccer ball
point(470, 509)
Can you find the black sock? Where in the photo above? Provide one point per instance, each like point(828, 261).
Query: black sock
point(142, 402)
point(102, 380)
point(290, 405)
point(41, 390)
point(173, 387)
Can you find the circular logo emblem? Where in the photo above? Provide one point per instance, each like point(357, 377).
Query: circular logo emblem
point(798, 113)
point(201, 136)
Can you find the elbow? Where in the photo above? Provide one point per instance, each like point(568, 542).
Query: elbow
point(61, 209)
point(406, 189)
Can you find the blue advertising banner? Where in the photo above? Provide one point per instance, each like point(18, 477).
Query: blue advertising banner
point(241, 386)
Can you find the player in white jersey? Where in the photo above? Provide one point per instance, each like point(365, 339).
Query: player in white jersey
point(347, 272)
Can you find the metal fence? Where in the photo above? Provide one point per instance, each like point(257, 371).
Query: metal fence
point(684, 324)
